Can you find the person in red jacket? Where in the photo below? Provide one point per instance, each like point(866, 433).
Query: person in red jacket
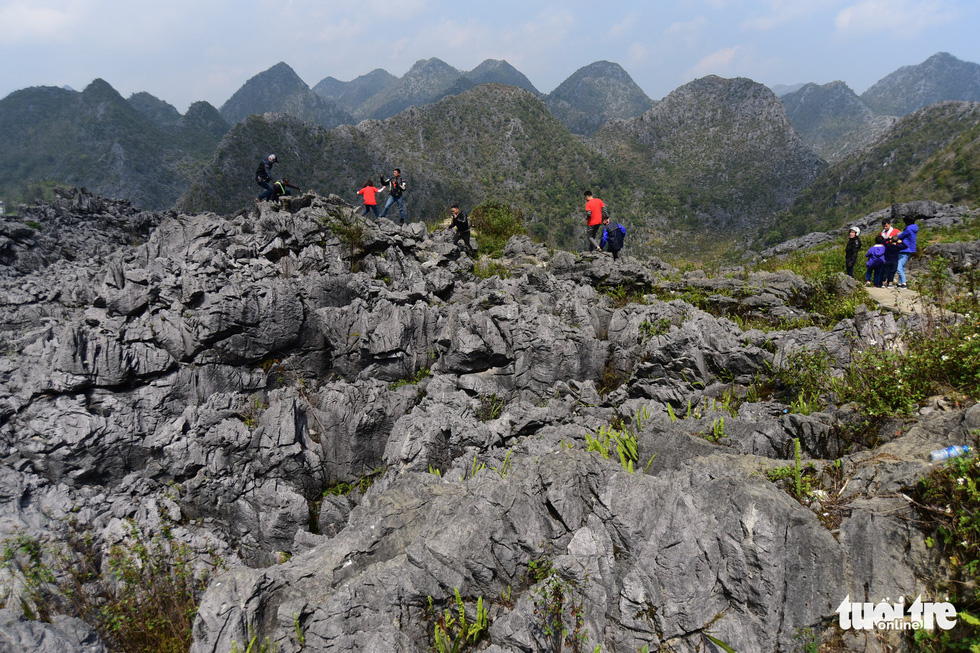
point(370, 197)
point(593, 214)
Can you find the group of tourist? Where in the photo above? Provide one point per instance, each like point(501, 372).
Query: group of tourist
point(887, 257)
point(596, 213)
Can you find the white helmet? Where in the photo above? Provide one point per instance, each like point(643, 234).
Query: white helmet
point(272, 158)
point(856, 230)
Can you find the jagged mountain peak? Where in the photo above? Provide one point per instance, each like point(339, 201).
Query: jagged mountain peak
point(280, 89)
point(594, 94)
point(939, 78)
point(499, 71)
point(157, 110)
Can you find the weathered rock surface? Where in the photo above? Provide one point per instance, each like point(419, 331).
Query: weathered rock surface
point(228, 375)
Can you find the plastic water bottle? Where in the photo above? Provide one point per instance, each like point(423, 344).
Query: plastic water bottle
point(948, 452)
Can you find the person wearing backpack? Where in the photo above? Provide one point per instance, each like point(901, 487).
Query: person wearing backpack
point(396, 186)
point(263, 177)
point(612, 237)
point(595, 211)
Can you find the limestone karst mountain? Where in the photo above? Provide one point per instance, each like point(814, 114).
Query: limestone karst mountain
point(280, 90)
point(429, 80)
point(595, 94)
point(141, 149)
point(717, 151)
point(497, 71)
point(833, 120)
point(351, 95)
point(941, 77)
point(224, 378)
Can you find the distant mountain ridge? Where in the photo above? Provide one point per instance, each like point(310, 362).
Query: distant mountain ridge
point(833, 120)
point(939, 78)
point(137, 149)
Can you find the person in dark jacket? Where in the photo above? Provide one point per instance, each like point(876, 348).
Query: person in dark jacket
point(281, 189)
point(892, 250)
point(395, 186)
point(263, 177)
point(852, 249)
point(613, 237)
point(461, 224)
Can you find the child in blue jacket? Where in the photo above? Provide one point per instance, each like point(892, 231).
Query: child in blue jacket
point(876, 262)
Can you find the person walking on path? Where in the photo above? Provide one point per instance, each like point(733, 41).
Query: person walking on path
point(263, 177)
point(461, 224)
point(612, 237)
point(908, 239)
point(852, 249)
point(594, 208)
point(369, 192)
point(396, 187)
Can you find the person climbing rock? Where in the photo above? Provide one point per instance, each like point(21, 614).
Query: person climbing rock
point(594, 208)
point(263, 177)
point(281, 189)
point(461, 224)
point(395, 186)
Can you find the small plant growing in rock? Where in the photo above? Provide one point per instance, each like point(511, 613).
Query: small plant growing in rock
point(659, 327)
point(560, 613)
point(800, 486)
point(491, 407)
point(415, 379)
point(453, 632)
point(622, 441)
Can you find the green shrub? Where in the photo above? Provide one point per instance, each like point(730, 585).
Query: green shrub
point(142, 596)
point(494, 223)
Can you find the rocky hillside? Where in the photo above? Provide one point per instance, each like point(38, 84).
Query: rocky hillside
point(930, 153)
point(594, 94)
point(279, 89)
point(833, 120)
point(939, 78)
point(140, 149)
point(429, 80)
point(363, 424)
point(715, 151)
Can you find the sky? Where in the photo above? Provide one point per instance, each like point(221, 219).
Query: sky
point(182, 51)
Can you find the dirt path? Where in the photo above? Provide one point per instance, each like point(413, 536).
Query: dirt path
point(901, 300)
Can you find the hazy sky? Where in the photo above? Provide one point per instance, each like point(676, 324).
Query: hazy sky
point(182, 51)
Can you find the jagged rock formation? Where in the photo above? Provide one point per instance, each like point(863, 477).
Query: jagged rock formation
point(279, 89)
point(940, 78)
point(594, 94)
point(220, 375)
point(833, 120)
point(722, 147)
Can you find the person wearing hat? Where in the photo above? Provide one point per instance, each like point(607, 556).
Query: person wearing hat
point(852, 250)
point(263, 177)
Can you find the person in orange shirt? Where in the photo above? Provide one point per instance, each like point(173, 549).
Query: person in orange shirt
point(593, 213)
point(370, 197)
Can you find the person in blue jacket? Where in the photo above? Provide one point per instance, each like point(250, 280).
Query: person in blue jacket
point(908, 239)
point(612, 237)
